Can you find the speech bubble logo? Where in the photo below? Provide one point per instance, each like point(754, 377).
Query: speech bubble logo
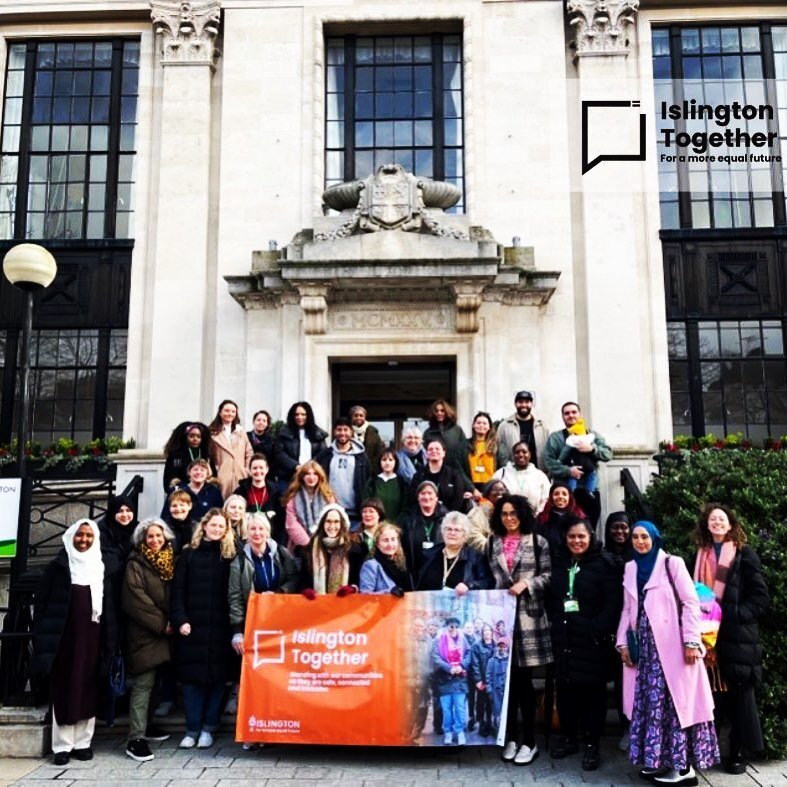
point(586, 107)
point(268, 647)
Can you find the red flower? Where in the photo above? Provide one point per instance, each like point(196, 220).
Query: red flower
point(720, 444)
point(73, 452)
point(96, 451)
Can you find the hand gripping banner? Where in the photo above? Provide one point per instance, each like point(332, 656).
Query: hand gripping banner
point(375, 669)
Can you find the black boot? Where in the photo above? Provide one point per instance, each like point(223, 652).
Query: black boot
point(565, 747)
point(735, 762)
point(591, 758)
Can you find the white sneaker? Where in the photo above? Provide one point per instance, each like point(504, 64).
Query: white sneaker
point(461, 740)
point(252, 746)
point(526, 755)
point(685, 777)
point(187, 742)
point(205, 740)
point(509, 752)
point(448, 739)
point(164, 709)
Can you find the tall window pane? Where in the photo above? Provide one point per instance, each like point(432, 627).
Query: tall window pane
point(67, 145)
point(394, 99)
point(710, 67)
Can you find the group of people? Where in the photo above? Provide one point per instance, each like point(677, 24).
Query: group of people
point(253, 512)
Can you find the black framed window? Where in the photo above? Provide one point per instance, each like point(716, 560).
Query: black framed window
point(741, 384)
point(77, 380)
point(67, 150)
point(721, 64)
point(394, 98)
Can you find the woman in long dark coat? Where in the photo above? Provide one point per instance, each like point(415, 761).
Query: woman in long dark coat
point(145, 600)
point(586, 600)
point(74, 636)
point(200, 614)
point(732, 571)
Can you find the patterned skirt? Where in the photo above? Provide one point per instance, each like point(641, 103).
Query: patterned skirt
point(656, 737)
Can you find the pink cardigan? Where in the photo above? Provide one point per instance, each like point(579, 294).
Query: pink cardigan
point(687, 683)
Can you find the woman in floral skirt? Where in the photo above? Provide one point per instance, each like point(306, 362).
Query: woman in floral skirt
point(666, 692)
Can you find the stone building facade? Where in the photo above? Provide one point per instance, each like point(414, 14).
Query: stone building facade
point(201, 262)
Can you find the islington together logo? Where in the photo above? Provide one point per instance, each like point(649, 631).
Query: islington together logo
point(688, 131)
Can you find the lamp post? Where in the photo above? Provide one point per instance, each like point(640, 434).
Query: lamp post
point(29, 268)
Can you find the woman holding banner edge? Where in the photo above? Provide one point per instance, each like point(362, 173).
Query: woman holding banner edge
point(520, 563)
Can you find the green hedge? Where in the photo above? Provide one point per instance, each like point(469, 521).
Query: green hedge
point(754, 484)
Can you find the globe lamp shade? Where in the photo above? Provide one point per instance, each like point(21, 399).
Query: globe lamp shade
point(29, 267)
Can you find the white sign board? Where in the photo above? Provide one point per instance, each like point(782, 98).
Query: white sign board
point(10, 495)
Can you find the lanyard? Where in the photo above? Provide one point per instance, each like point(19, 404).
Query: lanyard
point(191, 454)
point(446, 568)
point(428, 531)
point(572, 572)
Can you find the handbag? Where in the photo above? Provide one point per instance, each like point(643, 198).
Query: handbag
point(117, 675)
point(632, 643)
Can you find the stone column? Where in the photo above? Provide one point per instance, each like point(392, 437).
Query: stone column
point(619, 295)
point(179, 260)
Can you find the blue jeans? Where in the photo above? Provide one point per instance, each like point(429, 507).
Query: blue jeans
point(588, 482)
point(202, 706)
point(454, 706)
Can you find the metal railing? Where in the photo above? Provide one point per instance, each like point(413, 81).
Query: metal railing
point(634, 500)
point(53, 503)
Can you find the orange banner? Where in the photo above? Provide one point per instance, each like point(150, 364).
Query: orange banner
point(376, 670)
point(323, 671)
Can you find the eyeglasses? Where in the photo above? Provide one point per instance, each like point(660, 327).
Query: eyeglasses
point(509, 514)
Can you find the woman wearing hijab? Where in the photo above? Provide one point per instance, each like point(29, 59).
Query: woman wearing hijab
point(560, 509)
point(332, 560)
point(118, 526)
point(230, 448)
point(617, 544)
point(732, 571)
point(617, 536)
point(145, 599)
point(74, 637)
point(666, 692)
point(386, 570)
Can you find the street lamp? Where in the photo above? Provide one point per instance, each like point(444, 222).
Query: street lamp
point(29, 268)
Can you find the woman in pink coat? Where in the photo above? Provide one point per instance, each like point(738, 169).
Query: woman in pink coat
point(666, 692)
point(230, 448)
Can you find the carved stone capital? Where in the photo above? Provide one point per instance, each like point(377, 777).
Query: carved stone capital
point(187, 30)
point(601, 26)
point(314, 305)
point(468, 302)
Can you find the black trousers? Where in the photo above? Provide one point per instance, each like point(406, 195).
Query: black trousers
point(739, 706)
point(521, 700)
point(472, 693)
point(582, 708)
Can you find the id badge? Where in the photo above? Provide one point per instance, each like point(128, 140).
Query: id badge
point(571, 605)
point(479, 468)
point(427, 544)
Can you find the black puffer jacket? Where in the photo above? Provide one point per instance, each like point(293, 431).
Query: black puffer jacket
point(745, 600)
point(580, 640)
point(199, 597)
point(272, 507)
point(51, 610)
point(286, 448)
